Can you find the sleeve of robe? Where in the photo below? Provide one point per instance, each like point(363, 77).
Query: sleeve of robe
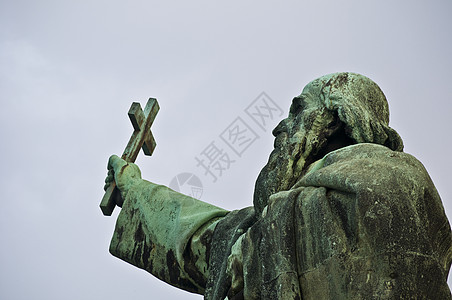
point(167, 234)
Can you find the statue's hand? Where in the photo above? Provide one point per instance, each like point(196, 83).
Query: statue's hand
point(124, 174)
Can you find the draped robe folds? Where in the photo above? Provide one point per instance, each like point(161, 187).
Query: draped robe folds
point(364, 222)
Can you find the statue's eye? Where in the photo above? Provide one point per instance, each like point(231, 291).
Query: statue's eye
point(298, 104)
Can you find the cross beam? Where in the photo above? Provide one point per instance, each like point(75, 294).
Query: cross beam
point(141, 138)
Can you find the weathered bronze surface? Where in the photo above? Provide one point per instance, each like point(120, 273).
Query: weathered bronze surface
point(141, 138)
point(340, 212)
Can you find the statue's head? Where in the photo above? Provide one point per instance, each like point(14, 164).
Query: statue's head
point(333, 111)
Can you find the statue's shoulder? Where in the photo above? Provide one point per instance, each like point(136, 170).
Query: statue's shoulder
point(367, 153)
point(367, 166)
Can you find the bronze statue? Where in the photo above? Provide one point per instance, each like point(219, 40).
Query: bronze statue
point(340, 212)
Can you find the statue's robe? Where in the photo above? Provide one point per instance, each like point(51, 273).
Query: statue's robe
point(364, 222)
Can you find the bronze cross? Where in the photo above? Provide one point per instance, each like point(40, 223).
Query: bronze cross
point(141, 138)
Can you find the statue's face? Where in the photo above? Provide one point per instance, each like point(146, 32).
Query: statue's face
point(298, 135)
point(296, 138)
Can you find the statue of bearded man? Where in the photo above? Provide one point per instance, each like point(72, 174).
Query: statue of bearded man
point(340, 212)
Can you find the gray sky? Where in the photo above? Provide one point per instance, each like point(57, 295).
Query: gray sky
point(70, 69)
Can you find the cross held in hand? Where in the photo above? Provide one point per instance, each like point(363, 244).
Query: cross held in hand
point(141, 138)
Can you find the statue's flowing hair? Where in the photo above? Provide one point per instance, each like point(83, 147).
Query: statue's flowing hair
point(362, 107)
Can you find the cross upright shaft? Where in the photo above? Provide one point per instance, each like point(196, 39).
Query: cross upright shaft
point(141, 138)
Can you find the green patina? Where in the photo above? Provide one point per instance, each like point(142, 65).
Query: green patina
point(340, 212)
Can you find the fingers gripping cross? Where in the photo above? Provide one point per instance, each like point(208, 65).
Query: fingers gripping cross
point(141, 138)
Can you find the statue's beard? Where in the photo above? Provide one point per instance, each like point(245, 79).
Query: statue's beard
point(290, 159)
point(281, 170)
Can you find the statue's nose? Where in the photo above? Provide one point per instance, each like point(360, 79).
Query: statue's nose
point(281, 127)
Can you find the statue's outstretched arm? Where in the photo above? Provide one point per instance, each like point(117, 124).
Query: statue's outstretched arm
point(162, 231)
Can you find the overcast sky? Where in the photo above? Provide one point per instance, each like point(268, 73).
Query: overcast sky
point(69, 71)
